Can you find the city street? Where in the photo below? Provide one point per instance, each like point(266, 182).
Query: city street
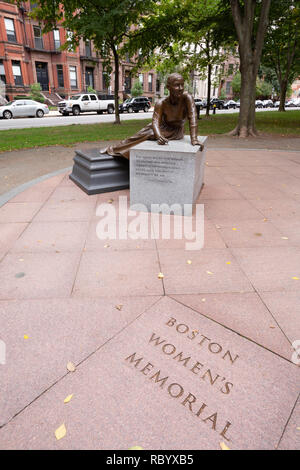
point(56, 119)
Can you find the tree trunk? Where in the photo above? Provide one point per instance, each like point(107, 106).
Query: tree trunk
point(116, 94)
point(246, 121)
point(208, 89)
point(283, 90)
point(250, 32)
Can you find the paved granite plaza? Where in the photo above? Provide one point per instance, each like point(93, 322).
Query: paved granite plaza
point(200, 356)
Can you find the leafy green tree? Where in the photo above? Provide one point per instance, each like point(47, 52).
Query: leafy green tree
point(263, 89)
point(236, 84)
point(137, 89)
point(35, 93)
point(105, 22)
point(251, 20)
point(282, 45)
point(90, 89)
point(194, 37)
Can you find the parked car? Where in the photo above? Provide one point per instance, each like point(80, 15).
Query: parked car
point(216, 101)
point(199, 103)
point(230, 104)
point(291, 104)
point(276, 104)
point(238, 104)
point(135, 105)
point(85, 102)
point(268, 104)
point(23, 108)
point(259, 104)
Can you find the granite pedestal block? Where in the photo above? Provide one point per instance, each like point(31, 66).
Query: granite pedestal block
point(99, 173)
point(166, 174)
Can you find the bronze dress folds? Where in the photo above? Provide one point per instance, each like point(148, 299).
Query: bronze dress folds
point(168, 120)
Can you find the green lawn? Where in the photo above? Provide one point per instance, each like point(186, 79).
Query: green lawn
point(285, 124)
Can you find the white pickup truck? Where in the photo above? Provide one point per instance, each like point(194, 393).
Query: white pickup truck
point(87, 102)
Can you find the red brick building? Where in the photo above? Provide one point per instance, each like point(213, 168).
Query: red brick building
point(27, 56)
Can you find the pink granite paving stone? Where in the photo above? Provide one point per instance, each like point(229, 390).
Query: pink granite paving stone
point(9, 233)
point(291, 437)
point(270, 268)
point(218, 191)
point(252, 233)
point(209, 270)
point(40, 192)
point(42, 336)
point(285, 308)
point(68, 194)
point(52, 237)
point(66, 211)
point(118, 273)
point(37, 275)
point(231, 211)
point(99, 238)
point(275, 209)
point(19, 211)
point(245, 314)
point(177, 235)
point(173, 379)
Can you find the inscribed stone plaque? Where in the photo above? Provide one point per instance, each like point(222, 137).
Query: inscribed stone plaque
point(166, 174)
point(172, 379)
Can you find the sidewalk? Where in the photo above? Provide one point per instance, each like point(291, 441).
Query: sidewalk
point(200, 357)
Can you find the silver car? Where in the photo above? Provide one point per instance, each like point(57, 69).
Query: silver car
point(22, 108)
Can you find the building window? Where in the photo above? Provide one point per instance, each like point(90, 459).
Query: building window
point(157, 85)
point(105, 80)
point(88, 49)
point(60, 76)
point(16, 68)
point(150, 81)
point(73, 77)
point(2, 72)
point(38, 40)
point(10, 30)
point(70, 37)
point(141, 79)
point(230, 69)
point(89, 77)
point(56, 39)
point(228, 88)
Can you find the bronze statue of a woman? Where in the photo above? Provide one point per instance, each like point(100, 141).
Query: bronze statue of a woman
point(168, 120)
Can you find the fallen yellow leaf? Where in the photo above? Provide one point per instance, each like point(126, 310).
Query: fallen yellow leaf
point(224, 446)
point(26, 337)
point(71, 367)
point(160, 276)
point(119, 307)
point(234, 228)
point(189, 261)
point(68, 398)
point(209, 272)
point(110, 201)
point(296, 278)
point(284, 238)
point(228, 262)
point(60, 432)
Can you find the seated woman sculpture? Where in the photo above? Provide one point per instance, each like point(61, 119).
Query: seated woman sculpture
point(169, 116)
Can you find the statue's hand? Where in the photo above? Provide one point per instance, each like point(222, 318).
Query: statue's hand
point(197, 142)
point(162, 140)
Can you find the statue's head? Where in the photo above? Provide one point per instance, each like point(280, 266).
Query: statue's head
point(173, 78)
